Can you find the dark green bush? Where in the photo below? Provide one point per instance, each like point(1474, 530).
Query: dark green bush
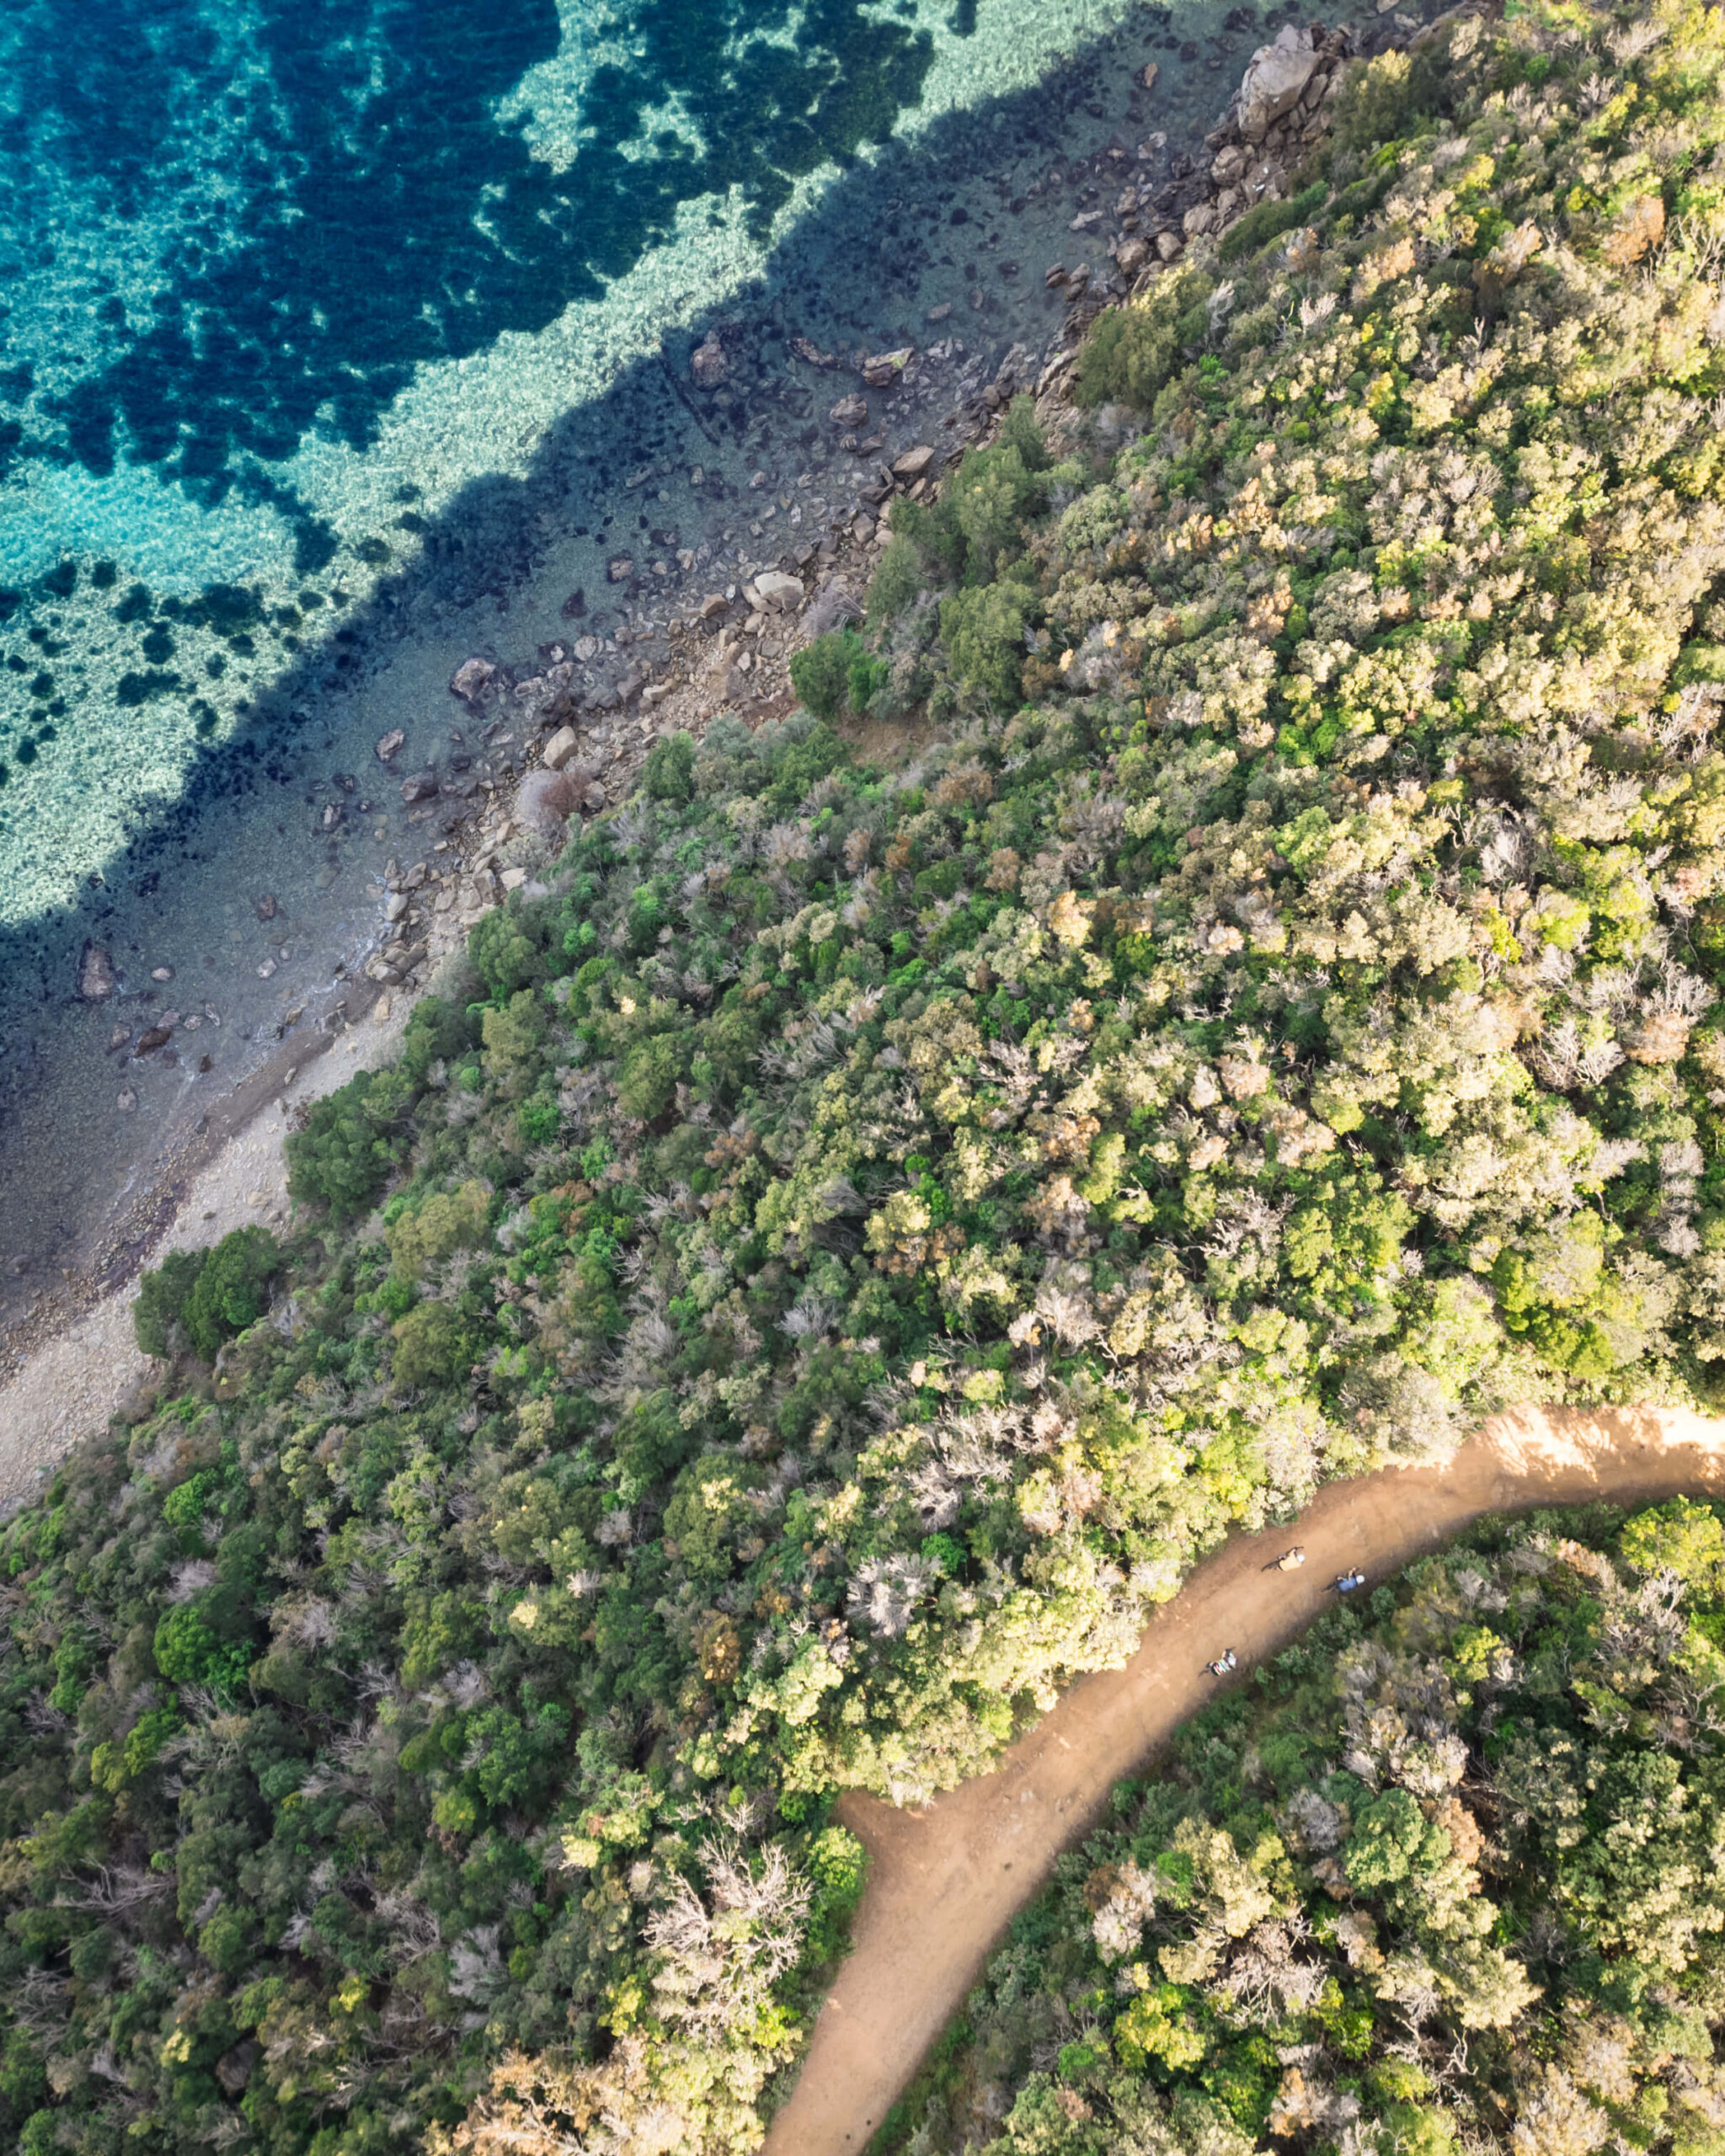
point(351, 1141)
point(203, 1299)
point(669, 772)
point(1133, 352)
point(820, 672)
point(1259, 225)
point(983, 631)
point(157, 1315)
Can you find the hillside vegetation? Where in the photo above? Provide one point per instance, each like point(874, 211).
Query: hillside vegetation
point(1444, 1877)
point(852, 1238)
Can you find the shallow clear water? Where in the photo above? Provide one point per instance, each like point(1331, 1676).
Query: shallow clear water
point(330, 332)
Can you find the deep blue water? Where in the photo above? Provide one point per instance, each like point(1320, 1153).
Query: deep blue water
point(329, 332)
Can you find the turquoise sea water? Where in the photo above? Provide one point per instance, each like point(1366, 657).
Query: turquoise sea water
point(330, 330)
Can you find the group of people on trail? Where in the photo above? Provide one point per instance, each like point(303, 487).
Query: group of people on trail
point(1291, 1561)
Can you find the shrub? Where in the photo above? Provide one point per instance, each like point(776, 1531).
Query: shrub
point(350, 1142)
point(1133, 352)
point(984, 634)
point(157, 1315)
point(203, 1299)
point(820, 672)
point(670, 767)
point(232, 1290)
point(428, 1346)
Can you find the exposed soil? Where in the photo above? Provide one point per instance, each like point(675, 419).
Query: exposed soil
point(946, 1879)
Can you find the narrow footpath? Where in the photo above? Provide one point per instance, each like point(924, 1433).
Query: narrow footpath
point(946, 1879)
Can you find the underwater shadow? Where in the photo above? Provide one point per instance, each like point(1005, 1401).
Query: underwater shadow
point(851, 259)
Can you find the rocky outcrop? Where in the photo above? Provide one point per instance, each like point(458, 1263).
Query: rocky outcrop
point(1275, 81)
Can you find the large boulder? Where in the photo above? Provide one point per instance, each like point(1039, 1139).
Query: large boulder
point(777, 589)
point(1275, 81)
point(471, 677)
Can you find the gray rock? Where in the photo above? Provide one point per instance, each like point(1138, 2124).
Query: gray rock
point(421, 786)
point(388, 744)
point(849, 412)
point(1275, 83)
point(778, 590)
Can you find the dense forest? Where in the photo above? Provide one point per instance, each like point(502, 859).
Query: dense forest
point(1444, 1876)
point(844, 1239)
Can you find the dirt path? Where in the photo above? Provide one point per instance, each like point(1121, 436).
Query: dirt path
point(946, 1879)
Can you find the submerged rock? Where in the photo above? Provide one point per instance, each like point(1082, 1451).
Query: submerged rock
point(708, 364)
point(471, 677)
point(96, 977)
point(421, 786)
point(389, 744)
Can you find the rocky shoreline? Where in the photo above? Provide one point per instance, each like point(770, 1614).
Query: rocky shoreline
point(532, 745)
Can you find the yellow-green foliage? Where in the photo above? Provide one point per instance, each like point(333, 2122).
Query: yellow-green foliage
point(440, 1224)
point(929, 1208)
point(1456, 1853)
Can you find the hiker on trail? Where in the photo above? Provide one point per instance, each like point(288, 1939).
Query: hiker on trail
point(1223, 1663)
point(1291, 1561)
point(1346, 1583)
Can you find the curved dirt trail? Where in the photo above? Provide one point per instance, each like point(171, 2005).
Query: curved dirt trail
point(945, 1880)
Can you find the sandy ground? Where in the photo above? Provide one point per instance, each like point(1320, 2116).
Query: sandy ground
point(946, 1879)
point(69, 1388)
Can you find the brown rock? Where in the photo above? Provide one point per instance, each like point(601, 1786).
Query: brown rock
point(156, 1036)
point(1168, 244)
point(96, 977)
point(1148, 77)
point(421, 786)
point(388, 744)
point(778, 590)
point(559, 748)
point(849, 412)
point(620, 568)
point(708, 364)
point(1133, 255)
point(913, 463)
point(883, 369)
point(265, 908)
point(471, 677)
